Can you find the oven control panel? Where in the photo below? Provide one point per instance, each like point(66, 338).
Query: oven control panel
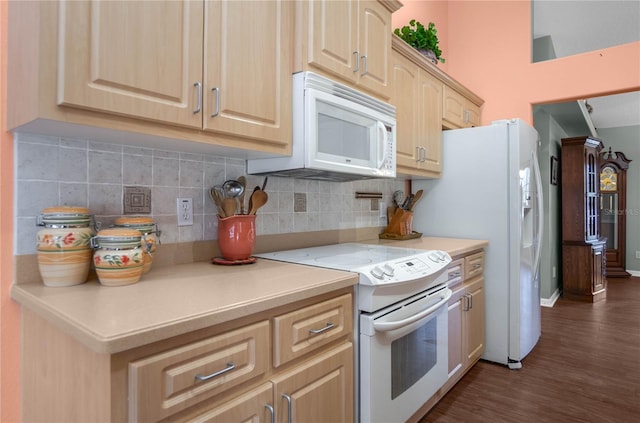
point(405, 269)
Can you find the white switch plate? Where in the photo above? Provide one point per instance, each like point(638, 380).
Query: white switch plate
point(638, 254)
point(382, 210)
point(185, 211)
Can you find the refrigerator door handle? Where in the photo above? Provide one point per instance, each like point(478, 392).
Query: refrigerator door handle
point(540, 213)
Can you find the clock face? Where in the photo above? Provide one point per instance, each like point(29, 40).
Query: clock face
point(608, 179)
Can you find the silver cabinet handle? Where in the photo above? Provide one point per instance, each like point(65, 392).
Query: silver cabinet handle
point(465, 306)
point(272, 412)
point(217, 91)
point(366, 66)
point(424, 154)
point(230, 366)
point(418, 153)
point(357, 54)
point(470, 301)
point(198, 85)
point(324, 329)
point(288, 398)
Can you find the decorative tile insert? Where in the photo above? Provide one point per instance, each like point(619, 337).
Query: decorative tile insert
point(137, 200)
point(299, 202)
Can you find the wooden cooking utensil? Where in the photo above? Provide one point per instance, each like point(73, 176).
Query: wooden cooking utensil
point(258, 199)
point(229, 206)
point(415, 199)
point(217, 201)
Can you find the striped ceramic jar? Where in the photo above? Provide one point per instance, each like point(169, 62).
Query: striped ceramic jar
point(118, 257)
point(64, 245)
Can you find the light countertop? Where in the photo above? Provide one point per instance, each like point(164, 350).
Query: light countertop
point(173, 300)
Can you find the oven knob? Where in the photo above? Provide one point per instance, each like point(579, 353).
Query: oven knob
point(377, 272)
point(388, 270)
point(442, 256)
point(434, 257)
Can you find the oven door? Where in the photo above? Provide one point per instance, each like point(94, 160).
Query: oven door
point(403, 356)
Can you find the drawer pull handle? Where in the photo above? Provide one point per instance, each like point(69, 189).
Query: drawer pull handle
point(324, 329)
point(230, 366)
point(477, 266)
point(288, 398)
point(198, 86)
point(271, 411)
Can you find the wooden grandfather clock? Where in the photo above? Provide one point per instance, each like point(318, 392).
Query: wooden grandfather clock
point(583, 249)
point(613, 209)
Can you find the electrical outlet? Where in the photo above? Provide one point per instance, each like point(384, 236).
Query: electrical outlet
point(185, 211)
point(638, 255)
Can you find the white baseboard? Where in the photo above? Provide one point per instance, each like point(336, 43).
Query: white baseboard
point(549, 302)
point(634, 272)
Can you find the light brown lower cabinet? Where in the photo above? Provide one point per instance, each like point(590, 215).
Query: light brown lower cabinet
point(231, 372)
point(466, 322)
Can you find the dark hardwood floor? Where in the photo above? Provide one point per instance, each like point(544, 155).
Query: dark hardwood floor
point(585, 368)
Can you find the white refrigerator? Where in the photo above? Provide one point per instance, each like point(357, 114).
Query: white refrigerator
point(491, 189)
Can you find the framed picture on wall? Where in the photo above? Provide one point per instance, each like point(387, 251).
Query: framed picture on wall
point(554, 170)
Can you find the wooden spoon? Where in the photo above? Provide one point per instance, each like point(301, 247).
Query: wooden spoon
point(415, 200)
point(217, 201)
point(258, 199)
point(229, 206)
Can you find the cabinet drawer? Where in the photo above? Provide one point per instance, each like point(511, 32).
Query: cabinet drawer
point(165, 383)
point(455, 273)
point(474, 265)
point(309, 328)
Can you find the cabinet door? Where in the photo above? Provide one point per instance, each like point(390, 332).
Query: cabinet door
point(430, 123)
point(405, 76)
point(456, 336)
point(318, 390)
point(599, 265)
point(247, 69)
point(458, 112)
point(374, 43)
point(473, 114)
point(333, 37)
point(248, 407)
point(474, 321)
point(138, 59)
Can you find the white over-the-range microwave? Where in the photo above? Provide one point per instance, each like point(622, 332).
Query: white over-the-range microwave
point(339, 134)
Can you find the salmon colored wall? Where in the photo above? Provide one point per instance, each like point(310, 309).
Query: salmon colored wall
point(9, 311)
point(488, 49)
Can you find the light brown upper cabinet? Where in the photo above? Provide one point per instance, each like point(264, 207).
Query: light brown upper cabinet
point(220, 69)
point(459, 111)
point(419, 90)
point(350, 40)
point(418, 99)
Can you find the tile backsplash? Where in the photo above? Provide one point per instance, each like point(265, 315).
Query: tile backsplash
point(53, 171)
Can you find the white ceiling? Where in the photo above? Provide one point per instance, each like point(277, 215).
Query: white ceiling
point(580, 26)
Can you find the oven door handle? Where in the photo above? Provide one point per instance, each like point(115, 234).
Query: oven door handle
point(389, 326)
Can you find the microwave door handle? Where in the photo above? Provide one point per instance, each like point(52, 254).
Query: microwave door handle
point(382, 146)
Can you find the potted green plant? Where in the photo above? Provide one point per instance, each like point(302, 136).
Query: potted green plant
point(425, 40)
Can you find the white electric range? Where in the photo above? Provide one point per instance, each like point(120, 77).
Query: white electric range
point(402, 297)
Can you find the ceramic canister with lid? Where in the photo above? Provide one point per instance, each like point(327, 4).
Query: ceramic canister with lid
point(64, 245)
point(150, 236)
point(118, 257)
